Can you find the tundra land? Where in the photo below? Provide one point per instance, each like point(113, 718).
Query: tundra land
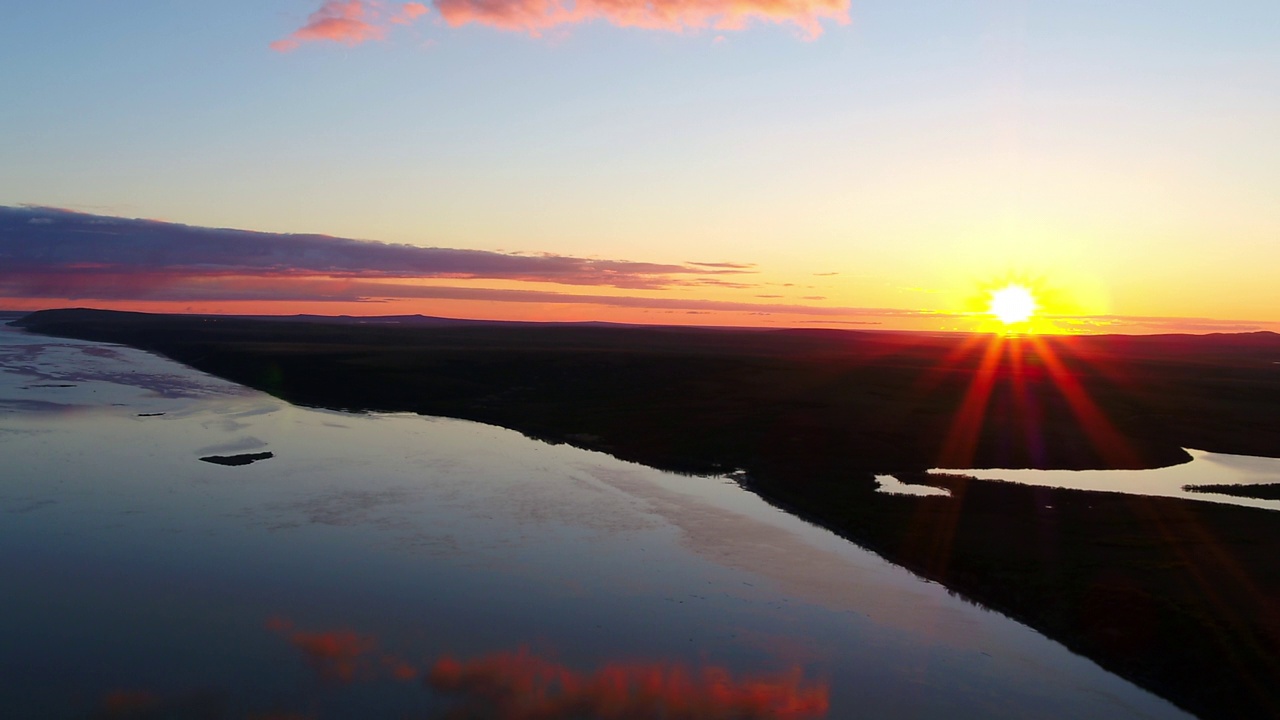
point(1179, 596)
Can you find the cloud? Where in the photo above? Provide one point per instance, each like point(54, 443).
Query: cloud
point(1157, 324)
point(719, 283)
point(79, 255)
point(71, 256)
point(409, 12)
point(535, 16)
point(723, 265)
point(350, 22)
point(353, 22)
point(303, 289)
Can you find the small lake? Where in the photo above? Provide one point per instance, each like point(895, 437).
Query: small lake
point(390, 565)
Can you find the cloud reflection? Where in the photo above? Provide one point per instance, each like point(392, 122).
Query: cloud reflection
point(123, 703)
point(520, 685)
point(132, 704)
point(336, 655)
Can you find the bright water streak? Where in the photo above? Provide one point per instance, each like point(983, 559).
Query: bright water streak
point(330, 580)
point(1205, 468)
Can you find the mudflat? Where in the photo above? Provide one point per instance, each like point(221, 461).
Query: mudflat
point(1176, 595)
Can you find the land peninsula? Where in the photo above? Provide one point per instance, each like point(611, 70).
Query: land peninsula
point(1181, 597)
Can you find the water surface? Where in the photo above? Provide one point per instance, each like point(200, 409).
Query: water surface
point(389, 565)
point(1205, 468)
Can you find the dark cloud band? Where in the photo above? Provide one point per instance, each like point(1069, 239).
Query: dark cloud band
point(47, 242)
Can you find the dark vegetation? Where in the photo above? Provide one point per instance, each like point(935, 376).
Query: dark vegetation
point(1266, 491)
point(1181, 597)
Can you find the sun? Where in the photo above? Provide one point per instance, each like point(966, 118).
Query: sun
point(1012, 304)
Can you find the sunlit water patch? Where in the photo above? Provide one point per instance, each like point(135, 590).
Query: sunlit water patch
point(1205, 468)
point(893, 486)
point(388, 565)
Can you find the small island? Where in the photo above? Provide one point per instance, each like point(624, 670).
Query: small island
point(236, 460)
point(1265, 491)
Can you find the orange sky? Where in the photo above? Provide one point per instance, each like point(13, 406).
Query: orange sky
point(726, 162)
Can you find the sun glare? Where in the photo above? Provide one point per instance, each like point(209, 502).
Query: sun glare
point(1012, 304)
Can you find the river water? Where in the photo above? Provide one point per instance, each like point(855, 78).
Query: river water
point(390, 565)
point(1205, 468)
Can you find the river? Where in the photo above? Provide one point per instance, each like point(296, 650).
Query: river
point(391, 565)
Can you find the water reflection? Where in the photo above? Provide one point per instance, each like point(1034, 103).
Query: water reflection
point(522, 685)
point(336, 655)
point(145, 705)
point(137, 577)
point(1205, 468)
point(893, 486)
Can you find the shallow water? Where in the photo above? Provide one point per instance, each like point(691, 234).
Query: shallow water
point(391, 565)
point(1205, 468)
point(891, 485)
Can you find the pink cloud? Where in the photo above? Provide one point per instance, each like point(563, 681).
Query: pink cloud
point(534, 16)
point(355, 21)
point(409, 12)
point(350, 22)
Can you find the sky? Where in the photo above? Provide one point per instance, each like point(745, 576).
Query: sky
point(814, 163)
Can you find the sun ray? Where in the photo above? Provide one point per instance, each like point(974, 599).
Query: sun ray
point(966, 427)
point(1102, 434)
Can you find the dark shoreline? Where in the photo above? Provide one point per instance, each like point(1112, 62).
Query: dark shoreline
point(1178, 596)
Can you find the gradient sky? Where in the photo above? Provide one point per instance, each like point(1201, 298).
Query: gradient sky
point(861, 164)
